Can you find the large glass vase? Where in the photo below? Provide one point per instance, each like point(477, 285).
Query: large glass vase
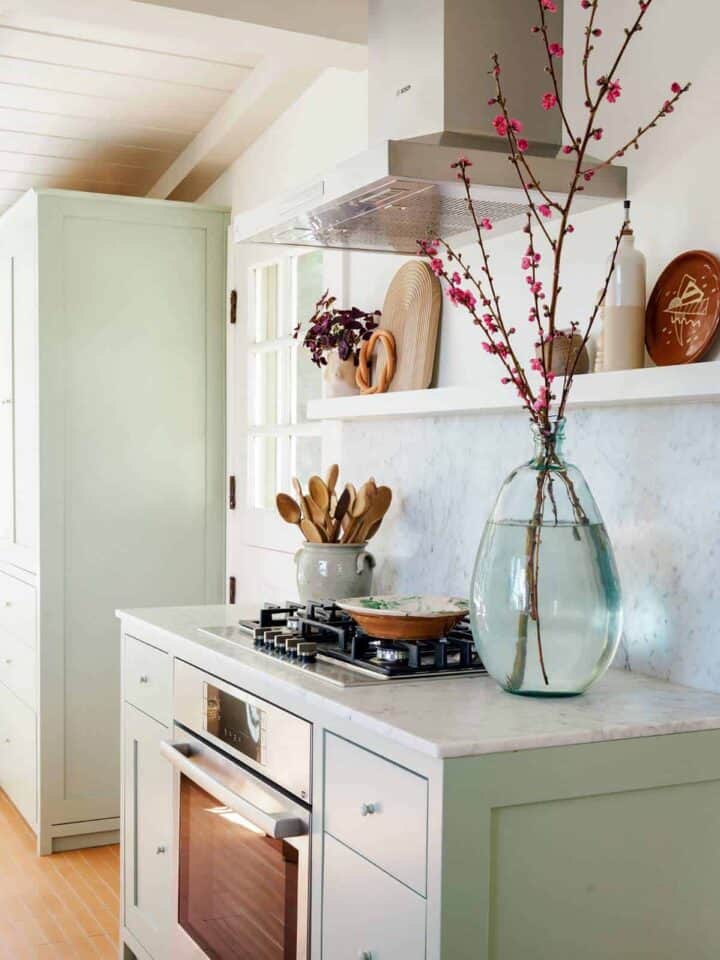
point(546, 604)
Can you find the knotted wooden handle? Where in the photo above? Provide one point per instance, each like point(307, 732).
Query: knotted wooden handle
point(386, 373)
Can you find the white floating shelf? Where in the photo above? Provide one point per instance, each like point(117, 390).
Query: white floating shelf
point(689, 383)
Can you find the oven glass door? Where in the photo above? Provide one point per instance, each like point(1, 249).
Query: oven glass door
point(237, 888)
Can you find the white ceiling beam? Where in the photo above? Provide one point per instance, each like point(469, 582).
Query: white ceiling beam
point(269, 90)
point(346, 20)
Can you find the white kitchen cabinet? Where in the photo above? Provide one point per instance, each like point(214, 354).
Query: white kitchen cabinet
point(112, 466)
point(367, 915)
point(18, 764)
point(147, 840)
point(370, 803)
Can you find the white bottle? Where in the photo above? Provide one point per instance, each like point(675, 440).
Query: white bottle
point(624, 312)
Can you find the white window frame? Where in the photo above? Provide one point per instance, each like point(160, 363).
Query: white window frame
point(249, 525)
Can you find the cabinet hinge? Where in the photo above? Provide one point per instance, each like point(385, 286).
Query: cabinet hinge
point(233, 306)
point(231, 493)
point(232, 588)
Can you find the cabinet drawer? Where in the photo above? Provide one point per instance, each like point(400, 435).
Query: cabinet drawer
point(17, 668)
point(366, 913)
point(147, 679)
point(18, 762)
point(18, 610)
point(378, 809)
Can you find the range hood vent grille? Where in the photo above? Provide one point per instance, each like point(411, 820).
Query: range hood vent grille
point(391, 215)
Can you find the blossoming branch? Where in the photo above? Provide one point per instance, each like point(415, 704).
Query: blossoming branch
point(548, 219)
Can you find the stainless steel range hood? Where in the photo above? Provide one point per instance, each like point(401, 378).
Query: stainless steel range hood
point(429, 86)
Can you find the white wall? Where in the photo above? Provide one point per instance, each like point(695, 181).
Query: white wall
point(653, 470)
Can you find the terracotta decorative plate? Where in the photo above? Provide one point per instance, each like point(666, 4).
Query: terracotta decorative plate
point(405, 618)
point(683, 314)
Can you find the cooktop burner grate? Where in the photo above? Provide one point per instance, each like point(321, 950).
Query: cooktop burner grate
point(305, 633)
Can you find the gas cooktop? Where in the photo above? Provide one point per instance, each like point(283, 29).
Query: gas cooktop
point(324, 641)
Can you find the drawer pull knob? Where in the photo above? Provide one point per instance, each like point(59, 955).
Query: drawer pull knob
point(365, 955)
point(144, 678)
point(7, 740)
point(368, 809)
point(161, 849)
point(8, 661)
point(8, 603)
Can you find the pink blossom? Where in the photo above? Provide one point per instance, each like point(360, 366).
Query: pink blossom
point(522, 145)
point(485, 224)
point(455, 279)
point(516, 125)
point(588, 175)
point(567, 148)
point(548, 101)
point(597, 32)
point(550, 376)
point(462, 162)
point(428, 247)
point(526, 263)
point(667, 107)
point(436, 265)
point(570, 228)
point(544, 209)
point(550, 5)
point(556, 50)
point(500, 124)
point(501, 350)
point(459, 296)
point(597, 133)
point(585, 4)
point(676, 88)
point(536, 365)
point(613, 91)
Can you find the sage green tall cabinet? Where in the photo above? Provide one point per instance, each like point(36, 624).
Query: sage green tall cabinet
point(112, 438)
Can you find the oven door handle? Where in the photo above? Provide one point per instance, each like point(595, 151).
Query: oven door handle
point(278, 825)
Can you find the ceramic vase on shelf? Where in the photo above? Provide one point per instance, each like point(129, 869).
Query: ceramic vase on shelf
point(623, 318)
point(334, 571)
point(338, 377)
point(545, 600)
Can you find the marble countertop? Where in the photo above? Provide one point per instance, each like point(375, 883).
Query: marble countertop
point(453, 717)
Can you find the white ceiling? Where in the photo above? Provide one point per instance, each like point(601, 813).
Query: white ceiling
point(104, 95)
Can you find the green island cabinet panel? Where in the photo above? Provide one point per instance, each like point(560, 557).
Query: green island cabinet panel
point(596, 851)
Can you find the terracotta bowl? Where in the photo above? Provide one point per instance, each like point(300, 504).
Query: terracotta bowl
point(405, 618)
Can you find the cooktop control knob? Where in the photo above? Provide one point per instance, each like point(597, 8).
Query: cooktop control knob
point(307, 651)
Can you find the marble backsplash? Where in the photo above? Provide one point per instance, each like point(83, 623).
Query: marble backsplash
point(653, 470)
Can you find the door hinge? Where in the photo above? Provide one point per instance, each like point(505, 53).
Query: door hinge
point(233, 306)
point(232, 588)
point(232, 502)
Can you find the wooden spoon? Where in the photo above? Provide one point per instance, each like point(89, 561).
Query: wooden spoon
point(302, 499)
point(314, 513)
point(373, 529)
point(377, 510)
point(332, 478)
point(361, 503)
point(312, 533)
point(340, 511)
point(288, 509)
point(319, 492)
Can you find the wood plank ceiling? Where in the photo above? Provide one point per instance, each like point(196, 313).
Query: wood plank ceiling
point(103, 95)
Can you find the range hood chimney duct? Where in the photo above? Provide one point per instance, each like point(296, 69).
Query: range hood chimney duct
point(429, 84)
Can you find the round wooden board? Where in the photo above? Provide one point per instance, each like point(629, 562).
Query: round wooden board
point(683, 313)
point(411, 312)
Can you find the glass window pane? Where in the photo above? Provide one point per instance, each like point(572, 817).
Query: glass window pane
point(266, 303)
point(308, 383)
point(309, 283)
point(262, 464)
point(284, 385)
point(263, 378)
point(306, 456)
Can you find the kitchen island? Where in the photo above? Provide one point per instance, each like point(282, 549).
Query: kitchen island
point(447, 820)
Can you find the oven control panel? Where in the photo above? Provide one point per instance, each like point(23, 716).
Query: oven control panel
point(259, 734)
